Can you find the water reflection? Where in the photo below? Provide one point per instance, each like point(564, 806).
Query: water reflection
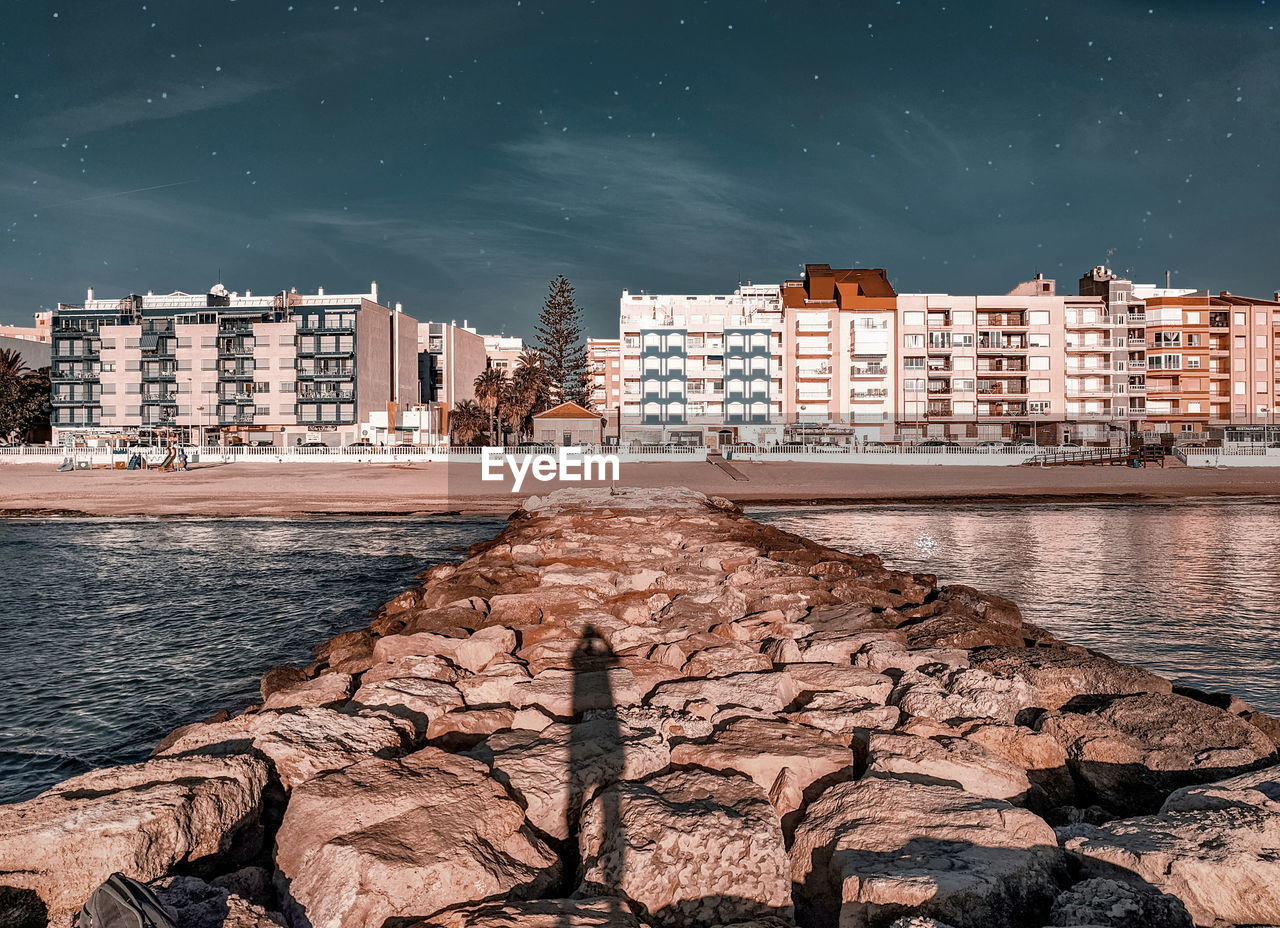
point(1190, 589)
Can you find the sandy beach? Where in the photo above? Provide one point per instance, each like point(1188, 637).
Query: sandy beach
point(243, 489)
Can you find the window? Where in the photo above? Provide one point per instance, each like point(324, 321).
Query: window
point(962, 386)
point(1038, 385)
point(962, 340)
point(1038, 363)
point(1038, 317)
point(631, 341)
point(1164, 362)
point(261, 387)
point(913, 386)
point(913, 318)
point(1239, 318)
point(963, 317)
point(1168, 340)
point(1239, 388)
point(1193, 340)
point(913, 364)
point(1193, 363)
point(913, 341)
point(1193, 318)
point(1038, 340)
point(1260, 387)
point(262, 410)
point(1039, 407)
point(1193, 407)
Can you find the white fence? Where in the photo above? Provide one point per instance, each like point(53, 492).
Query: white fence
point(1231, 454)
point(230, 454)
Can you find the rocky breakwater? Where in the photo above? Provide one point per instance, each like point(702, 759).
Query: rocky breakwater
point(643, 708)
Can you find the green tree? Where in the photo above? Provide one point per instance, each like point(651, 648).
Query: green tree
point(561, 344)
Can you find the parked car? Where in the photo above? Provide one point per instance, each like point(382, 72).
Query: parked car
point(1024, 443)
point(1071, 444)
point(875, 446)
point(992, 444)
point(362, 443)
point(938, 443)
point(262, 443)
point(313, 444)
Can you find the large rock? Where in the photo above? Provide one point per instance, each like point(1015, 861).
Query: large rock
point(142, 820)
point(405, 837)
point(1214, 847)
point(837, 678)
point(300, 745)
point(193, 903)
point(1104, 903)
point(689, 848)
point(869, 851)
point(762, 749)
point(1133, 750)
point(419, 701)
point(949, 761)
point(554, 771)
point(1059, 675)
point(328, 689)
point(942, 692)
point(566, 693)
point(767, 692)
point(603, 912)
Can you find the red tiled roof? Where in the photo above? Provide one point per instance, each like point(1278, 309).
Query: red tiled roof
point(567, 411)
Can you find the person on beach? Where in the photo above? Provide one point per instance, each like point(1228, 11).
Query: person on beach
point(182, 459)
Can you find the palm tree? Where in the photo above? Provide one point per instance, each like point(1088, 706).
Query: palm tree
point(528, 393)
point(466, 422)
point(12, 366)
point(490, 385)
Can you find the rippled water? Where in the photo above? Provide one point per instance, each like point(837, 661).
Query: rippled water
point(1189, 589)
point(115, 632)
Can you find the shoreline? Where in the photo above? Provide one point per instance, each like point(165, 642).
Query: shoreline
point(30, 491)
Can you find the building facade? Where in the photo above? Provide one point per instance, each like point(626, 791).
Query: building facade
point(838, 355)
point(604, 374)
point(221, 366)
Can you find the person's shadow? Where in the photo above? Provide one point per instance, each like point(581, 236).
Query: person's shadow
point(595, 763)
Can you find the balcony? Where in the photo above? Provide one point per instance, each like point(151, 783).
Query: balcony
point(327, 373)
point(1002, 410)
point(1003, 320)
point(159, 396)
point(74, 375)
point(236, 373)
point(1008, 365)
point(330, 328)
point(332, 395)
point(1139, 365)
point(875, 393)
point(162, 373)
point(239, 419)
point(999, 388)
point(235, 326)
point(868, 370)
point(74, 401)
point(1102, 344)
point(938, 409)
point(1002, 344)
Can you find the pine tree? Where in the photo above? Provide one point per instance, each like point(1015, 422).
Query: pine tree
point(561, 345)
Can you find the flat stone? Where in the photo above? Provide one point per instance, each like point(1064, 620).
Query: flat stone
point(869, 851)
point(689, 848)
point(140, 819)
point(405, 837)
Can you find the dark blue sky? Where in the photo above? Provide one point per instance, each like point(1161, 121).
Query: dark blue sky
point(463, 152)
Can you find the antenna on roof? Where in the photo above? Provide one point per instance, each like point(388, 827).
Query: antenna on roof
point(1168, 278)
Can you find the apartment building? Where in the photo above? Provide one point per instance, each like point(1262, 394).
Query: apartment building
point(222, 366)
point(503, 351)
point(604, 373)
point(40, 332)
point(450, 357)
point(700, 368)
point(839, 355)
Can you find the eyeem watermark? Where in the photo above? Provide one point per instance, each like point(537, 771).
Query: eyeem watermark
point(567, 464)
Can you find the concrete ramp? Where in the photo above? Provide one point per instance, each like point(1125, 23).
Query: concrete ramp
point(716, 458)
